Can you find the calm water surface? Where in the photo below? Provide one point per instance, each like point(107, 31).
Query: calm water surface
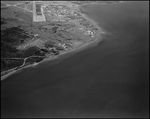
point(107, 80)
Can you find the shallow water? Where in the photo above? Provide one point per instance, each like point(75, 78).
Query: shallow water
point(107, 80)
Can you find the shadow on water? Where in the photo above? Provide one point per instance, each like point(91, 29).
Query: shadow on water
point(109, 80)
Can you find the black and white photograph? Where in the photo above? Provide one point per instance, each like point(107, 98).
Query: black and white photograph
point(74, 59)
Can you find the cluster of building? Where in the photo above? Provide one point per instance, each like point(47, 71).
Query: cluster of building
point(60, 12)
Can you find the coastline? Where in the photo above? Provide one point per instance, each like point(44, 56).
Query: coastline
point(11, 71)
point(85, 45)
point(77, 49)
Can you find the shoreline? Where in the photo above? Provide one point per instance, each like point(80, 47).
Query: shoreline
point(77, 49)
point(95, 40)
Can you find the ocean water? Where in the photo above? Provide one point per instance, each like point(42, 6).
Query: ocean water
point(110, 79)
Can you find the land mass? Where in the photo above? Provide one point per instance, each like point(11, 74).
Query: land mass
point(33, 32)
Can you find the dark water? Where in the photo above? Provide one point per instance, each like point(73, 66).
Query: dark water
point(108, 80)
